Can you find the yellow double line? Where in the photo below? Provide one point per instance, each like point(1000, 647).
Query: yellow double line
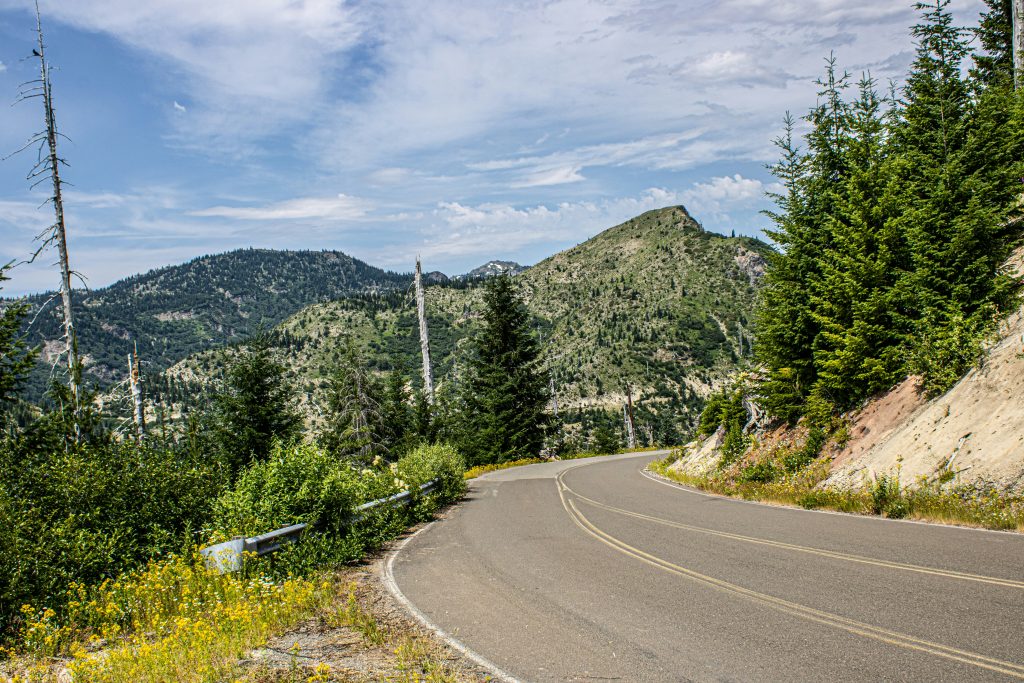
point(947, 573)
point(795, 609)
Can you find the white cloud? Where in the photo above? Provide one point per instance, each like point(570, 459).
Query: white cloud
point(719, 198)
point(557, 176)
point(338, 208)
point(492, 230)
point(250, 67)
point(3, 67)
point(179, 107)
point(390, 176)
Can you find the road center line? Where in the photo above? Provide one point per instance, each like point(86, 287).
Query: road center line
point(947, 573)
point(795, 609)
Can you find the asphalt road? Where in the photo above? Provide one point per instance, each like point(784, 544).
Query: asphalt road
point(588, 570)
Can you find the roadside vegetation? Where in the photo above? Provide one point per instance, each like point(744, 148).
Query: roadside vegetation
point(896, 217)
point(100, 574)
point(941, 501)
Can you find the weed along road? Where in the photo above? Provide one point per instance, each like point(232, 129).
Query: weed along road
point(590, 570)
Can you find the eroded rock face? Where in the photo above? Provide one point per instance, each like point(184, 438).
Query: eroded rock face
point(751, 264)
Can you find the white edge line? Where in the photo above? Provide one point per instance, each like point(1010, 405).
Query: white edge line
point(396, 592)
point(655, 477)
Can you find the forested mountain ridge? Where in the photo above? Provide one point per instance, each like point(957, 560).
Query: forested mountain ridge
point(655, 303)
point(179, 310)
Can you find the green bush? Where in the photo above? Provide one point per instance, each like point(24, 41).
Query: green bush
point(762, 472)
point(297, 483)
point(734, 445)
point(440, 461)
point(887, 497)
point(803, 456)
point(948, 347)
point(92, 511)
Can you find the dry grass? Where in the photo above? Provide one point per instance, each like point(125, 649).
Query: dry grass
point(979, 506)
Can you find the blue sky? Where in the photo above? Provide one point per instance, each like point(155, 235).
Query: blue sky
point(461, 131)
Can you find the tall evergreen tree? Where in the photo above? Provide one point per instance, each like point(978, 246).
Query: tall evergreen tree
point(856, 351)
point(507, 392)
point(397, 432)
point(353, 427)
point(16, 360)
point(953, 202)
point(993, 66)
point(254, 407)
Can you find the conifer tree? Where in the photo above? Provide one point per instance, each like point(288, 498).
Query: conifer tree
point(254, 407)
point(784, 325)
point(952, 201)
point(993, 66)
point(16, 360)
point(353, 426)
point(856, 351)
point(507, 392)
point(396, 415)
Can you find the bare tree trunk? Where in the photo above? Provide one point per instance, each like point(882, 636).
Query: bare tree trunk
point(136, 385)
point(629, 414)
point(554, 396)
point(1018, 44)
point(421, 310)
point(630, 437)
point(59, 232)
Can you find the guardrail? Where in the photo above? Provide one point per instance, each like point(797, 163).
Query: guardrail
point(230, 555)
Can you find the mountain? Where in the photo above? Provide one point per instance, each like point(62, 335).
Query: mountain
point(656, 304)
point(176, 311)
point(492, 268)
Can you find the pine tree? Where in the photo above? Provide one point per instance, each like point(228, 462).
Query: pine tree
point(254, 407)
point(16, 360)
point(993, 67)
point(353, 427)
point(953, 200)
point(507, 392)
point(785, 331)
point(856, 352)
point(789, 328)
point(396, 416)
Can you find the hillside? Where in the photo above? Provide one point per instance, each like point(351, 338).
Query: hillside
point(656, 303)
point(975, 431)
point(176, 311)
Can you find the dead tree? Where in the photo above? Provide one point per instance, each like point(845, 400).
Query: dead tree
point(136, 386)
point(1018, 44)
point(421, 310)
point(630, 437)
point(47, 167)
point(632, 423)
point(554, 396)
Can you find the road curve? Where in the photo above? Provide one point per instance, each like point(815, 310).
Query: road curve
point(589, 570)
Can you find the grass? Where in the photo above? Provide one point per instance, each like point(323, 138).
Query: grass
point(978, 505)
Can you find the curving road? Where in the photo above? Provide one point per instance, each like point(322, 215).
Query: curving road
point(589, 570)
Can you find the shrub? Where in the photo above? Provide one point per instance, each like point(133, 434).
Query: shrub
point(887, 497)
point(733, 446)
point(429, 462)
point(297, 483)
point(763, 471)
point(92, 512)
point(304, 483)
point(803, 456)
